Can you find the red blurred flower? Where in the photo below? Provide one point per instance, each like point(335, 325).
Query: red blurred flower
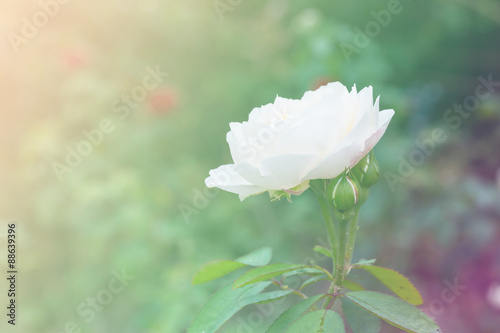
point(163, 100)
point(77, 56)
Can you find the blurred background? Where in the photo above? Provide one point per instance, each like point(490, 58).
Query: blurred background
point(104, 155)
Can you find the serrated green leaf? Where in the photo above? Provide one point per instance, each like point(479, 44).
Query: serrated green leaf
point(323, 251)
point(396, 282)
point(318, 322)
point(313, 279)
point(360, 320)
point(351, 285)
point(307, 270)
point(364, 262)
point(288, 317)
point(259, 257)
point(226, 302)
point(216, 269)
point(219, 268)
point(266, 297)
point(395, 311)
point(265, 273)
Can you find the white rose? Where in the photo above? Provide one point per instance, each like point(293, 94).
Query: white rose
point(285, 144)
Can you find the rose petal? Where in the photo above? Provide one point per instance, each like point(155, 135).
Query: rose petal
point(227, 178)
point(279, 172)
point(349, 152)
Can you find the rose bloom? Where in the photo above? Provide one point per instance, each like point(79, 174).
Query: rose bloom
point(285, 144)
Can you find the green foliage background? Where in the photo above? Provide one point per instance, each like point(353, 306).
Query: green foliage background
point(120, 208)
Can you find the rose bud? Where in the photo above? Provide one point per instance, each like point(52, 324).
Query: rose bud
point(343, 192)
point(367, 171)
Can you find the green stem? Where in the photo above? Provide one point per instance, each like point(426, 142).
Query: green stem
point(283, 287)
point(352, 236)
point(332, 235)
point(331, 290)
point(342, 252)
point(328, 299)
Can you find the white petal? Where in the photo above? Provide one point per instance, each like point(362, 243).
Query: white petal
point(279, 172)
point(247, 141)
point(310, 135)
point(227, 178)
point(335, 163)
point(334, 88)
point(350, 151)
